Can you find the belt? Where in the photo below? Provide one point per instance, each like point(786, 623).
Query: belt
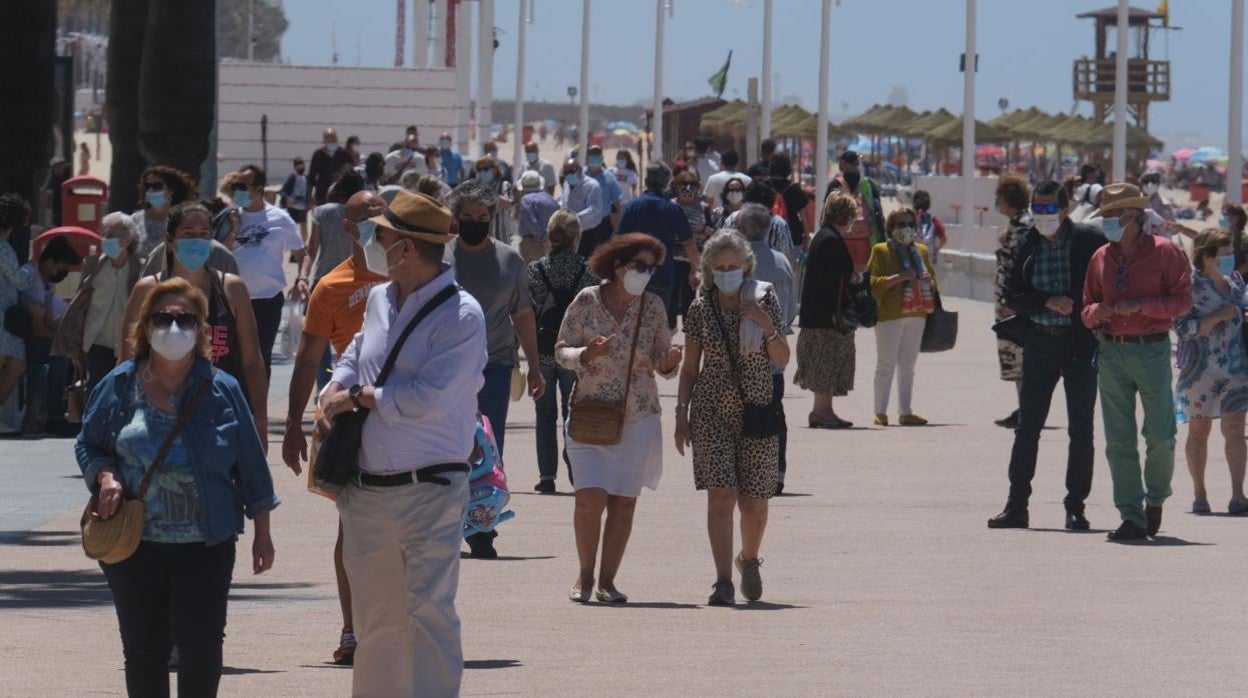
point(1137, 338)
point(1055, 330)
point(429, 473)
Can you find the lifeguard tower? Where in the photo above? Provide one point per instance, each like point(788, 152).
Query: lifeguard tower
point(1148, 80)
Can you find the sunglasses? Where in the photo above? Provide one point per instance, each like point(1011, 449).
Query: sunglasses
point(1122, 278)
point(154, 186)
point(1045, 209)
point(687, 186)
point(185, 321)
point(239, 186)
point(641, 267)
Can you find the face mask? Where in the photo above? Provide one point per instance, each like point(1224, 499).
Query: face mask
point(1047, 224)
point(491, 155)
point(595, 160)
point(1150, 188)
point(331, 147)
point(155, 199)
point(368, 230)
point(377, 258)
point(299, 172)
point(852, 179)
point(1112, 229)
point(192, 253)
point(1224, 222)
point(172, 342)
point(242, 199)
point(58, 277)
point(408, 152)
point(735, 197)
point(729, 281)
point(635, 282)
point(1226, 264)
point(111, 247)
point(473, 232)
point(904, 234)
point(444, 145)
point(621, 164)
point(572, 180)
point(531, 157)
point(485, 176)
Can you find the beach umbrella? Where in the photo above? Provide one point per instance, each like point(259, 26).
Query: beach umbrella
point(1183, 154)
point(1207, 154)
point(624, 125)
point(990, 151)
point(1155, 165)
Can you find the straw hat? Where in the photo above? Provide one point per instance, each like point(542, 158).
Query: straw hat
point(1120, 195)
point(418, 216)
point(531, 181)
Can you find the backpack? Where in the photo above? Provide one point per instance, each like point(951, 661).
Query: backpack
point(550, 315)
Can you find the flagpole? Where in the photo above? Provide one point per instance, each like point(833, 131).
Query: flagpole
point(1235, 137)
point(583, 144)
point(968, 128)
point(656, 122)
point(821, 128)
point(1120, 96)
point(517, 159)
point(765, 126)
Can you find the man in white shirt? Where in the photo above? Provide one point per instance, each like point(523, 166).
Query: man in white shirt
point(402, 513)
point(715, 183)
point(265, 234)
point(409, 157)
point(534, 162)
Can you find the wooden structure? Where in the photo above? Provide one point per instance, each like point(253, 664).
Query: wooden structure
point(682, 122)
point(1148, 80)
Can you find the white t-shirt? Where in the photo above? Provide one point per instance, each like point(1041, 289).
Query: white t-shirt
point(264, 238)
point(715, 183)
point(626, 179)
point(399, 158)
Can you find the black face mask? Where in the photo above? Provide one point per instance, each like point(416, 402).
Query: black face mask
point(473, 232)
point(852, 178)
point(59, 276)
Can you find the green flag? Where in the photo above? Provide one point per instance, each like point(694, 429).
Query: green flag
point(719, 80)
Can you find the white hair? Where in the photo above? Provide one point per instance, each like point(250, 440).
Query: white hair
point(726, 240)
point(133, 232)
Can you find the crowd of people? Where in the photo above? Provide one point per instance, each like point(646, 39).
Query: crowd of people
point(438, 289)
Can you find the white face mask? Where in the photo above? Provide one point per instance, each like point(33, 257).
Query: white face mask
point(905, 234)
point(377, 258)
point(173, 342)
point(1150, 188)
point(735, 197)
point(1047, 224)
point(635, 282)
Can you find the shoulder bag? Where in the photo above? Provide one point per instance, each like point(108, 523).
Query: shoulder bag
point(339, 454)
point(114, 539)
point(940, 331)
point(599, 422)
point(757, 421)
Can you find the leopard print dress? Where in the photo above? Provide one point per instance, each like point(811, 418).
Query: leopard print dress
point(722, 457)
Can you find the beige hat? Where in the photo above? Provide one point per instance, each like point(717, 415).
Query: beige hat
point(1120, 195)
point(418, 216)
point(531, 181)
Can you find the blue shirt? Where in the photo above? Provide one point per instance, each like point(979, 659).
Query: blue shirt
point(774, 268)
point(452, 166)
point(220, 445)
point(427, 410)
point(610, 189)
point(585, 200)
point(652, 214)
point(536, 208)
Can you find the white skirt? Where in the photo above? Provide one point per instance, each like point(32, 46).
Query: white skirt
point(622, 469)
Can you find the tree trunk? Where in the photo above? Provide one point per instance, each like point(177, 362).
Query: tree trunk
point(128, 24)
point(27, 53)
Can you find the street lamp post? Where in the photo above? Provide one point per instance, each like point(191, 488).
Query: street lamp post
point(656, 139)
point(517, 160)
point(969, 65)
point(1120, 96)
point(584, 114)
point(1235, 137)
point(765, 126)
point(821, 133)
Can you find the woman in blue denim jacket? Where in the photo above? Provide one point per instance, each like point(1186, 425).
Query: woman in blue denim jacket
point(173, 589)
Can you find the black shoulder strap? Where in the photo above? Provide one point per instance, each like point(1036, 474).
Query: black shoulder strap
point(550, 288)
point(427, 308)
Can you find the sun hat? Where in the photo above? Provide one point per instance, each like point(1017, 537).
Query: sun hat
point(531, 181)
point(1120, 195)
point(417, 215)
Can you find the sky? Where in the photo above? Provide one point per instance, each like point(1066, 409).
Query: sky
point(880, 48)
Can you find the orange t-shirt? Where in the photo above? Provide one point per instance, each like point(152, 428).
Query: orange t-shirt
point(336, 308)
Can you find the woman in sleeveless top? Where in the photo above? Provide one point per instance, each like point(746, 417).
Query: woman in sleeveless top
point(232, 331)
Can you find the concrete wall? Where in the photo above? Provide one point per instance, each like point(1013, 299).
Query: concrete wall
point(375, 104)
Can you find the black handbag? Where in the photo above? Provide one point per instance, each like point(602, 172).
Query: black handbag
point(940, 332)
point(340, 452)
point(757, 421)
point(1014, 328)
point(858, 309)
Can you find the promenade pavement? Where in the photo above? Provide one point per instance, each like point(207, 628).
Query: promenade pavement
point(880, 577)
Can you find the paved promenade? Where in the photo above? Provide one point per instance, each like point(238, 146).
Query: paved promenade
point(880, 577)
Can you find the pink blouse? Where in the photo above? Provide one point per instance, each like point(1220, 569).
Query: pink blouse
point(587, 317)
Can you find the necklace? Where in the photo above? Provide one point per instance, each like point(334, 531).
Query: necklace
point(171, 398)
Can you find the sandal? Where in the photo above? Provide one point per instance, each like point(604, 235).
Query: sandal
point(1201, 506)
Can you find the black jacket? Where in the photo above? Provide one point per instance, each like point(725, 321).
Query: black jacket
point(829, 268)
point(1025, 300)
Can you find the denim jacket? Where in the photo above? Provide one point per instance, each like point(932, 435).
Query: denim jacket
point(231, 472)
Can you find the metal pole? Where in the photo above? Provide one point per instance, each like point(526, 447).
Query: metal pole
point(251, 30)
point(968, 128)
point(751, 128)
point(517, 159)
point(420, 31)
point(1120, 96)
point(463, 73)
point(656, 139)
point(485, 71)
point(821, 128)
point(1235, 136)
point(439, 34)
point(583, 145)
point(766, 98)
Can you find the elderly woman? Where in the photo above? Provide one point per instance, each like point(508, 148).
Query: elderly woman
point(90, 332)
point(169, 412)
point(553, 281)
point(735, 339)
point(1213, 366)
point(160, 189)
point(231, 325)
point(1013, 200)
point(904, 284)
point(825, 348)
point(614, 336)
point(14, 278)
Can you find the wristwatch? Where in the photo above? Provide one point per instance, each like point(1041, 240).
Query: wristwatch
point(354, 392)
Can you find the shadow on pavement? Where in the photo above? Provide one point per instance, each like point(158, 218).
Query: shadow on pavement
point(1064, 530)
point(508, 558)
point(1178, 542)
point(545, 494)
point(786, 493)
point(492, 663)
point(40, 538)
point(239, 671)
point(661, 605)
point(53, 589)
point(326, 665)
point(765, 606)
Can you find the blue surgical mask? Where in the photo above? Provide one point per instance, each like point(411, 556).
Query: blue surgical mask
point(242, 199)
point(531, 157)
point(595, 160)
point(485, 176)
point(331, 147)
point(729, 281)
point(111, 247)
point(621, 164)
point(192, 253)
point(444, 145)
point(1224, 222)
point(156, 199)
point(1226, 264)
point(1112, 229)
point(368, 230)
point(572, 180)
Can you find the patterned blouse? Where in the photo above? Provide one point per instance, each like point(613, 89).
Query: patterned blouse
point(562, 267)
point(588, 318)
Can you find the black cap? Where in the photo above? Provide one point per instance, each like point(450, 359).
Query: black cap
point(850, 156)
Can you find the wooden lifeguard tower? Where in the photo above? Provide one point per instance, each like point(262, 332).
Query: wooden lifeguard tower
point(1148, 80)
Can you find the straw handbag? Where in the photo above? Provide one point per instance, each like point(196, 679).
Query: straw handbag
point(598, 422)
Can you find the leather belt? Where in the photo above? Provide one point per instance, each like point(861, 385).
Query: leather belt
point(429, 473)
point(1055, 330)
point(1137, 338)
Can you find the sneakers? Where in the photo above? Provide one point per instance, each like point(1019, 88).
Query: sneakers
point(545, 487)
point(881, 420)
point(481, 546)
point(345, 654)
point(751, 580)
point(723, 595)
point(911, 420)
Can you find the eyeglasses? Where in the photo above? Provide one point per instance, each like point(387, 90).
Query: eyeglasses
point(1045, 209)
point(1122, 278)
point(186, 321)
point(641, 267)
point(154, 186)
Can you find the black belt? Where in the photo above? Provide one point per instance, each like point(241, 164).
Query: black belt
point(1055, 330)
point(429, 473)
point(1137, 338)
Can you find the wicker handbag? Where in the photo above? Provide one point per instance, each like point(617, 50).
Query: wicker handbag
point(114, 539)
point(598, 422)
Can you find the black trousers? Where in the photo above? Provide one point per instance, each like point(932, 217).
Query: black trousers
point(1046, 358)
point(167, 594)
point(268, 313)
point(99, 361)
point(592, 238)
point(777, 393)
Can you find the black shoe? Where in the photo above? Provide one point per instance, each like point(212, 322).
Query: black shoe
point(1153, 514)
point(1127, 531)
point(1010, 422)
point(481, 546)
point(545, 487)
point(779, 489)
point(1076, 521)
point(1009, 518)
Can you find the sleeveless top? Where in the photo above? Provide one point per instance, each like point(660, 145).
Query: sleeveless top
point(222, 337)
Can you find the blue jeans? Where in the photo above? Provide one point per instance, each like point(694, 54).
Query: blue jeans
point(548, 426)
point(494, 398)
point(777, 393)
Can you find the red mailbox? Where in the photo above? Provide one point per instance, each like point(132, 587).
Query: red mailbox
point(82, 202)
point(81, 238)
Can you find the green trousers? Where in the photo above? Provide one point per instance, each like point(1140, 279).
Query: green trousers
point(1127, 370)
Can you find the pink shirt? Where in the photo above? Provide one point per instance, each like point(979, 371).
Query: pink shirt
point(1158, 276)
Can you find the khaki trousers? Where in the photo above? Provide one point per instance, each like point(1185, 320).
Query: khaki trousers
point(401, 551)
